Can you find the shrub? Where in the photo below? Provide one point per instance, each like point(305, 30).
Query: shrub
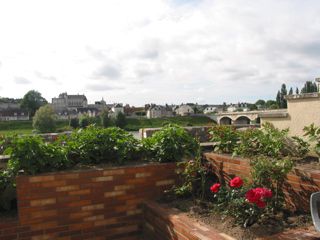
point(271, 174)
point(269, 141)
point(74, 123)
point(84, 121)
point(32, 155)
point(245, 203)
point(224, 137)
point(120, 120)
point(44, 120)
point(102, 145)
point(313, 133)
point(104, 119)
point(196, 178)
point(170, 144)
point(6, 141)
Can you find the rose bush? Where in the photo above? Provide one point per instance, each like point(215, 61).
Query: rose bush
point(244, 203)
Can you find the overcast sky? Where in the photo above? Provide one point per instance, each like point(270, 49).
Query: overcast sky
point(161, 51)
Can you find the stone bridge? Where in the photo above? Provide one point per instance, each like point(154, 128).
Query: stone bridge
point(251, 118)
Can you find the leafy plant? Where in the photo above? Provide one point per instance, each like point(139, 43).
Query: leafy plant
point(233, 200)
point(271, 173)
point(32, 155)
point(269, 141)
point(313, 132)
point(170, 144)
point(101, 145)
point(84, 121)
point(120, 120)
point(74, 123)
point(224, 137)
point(196, 176)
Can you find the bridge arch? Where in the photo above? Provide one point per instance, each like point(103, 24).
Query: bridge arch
point(242, 120)
point(225, 121)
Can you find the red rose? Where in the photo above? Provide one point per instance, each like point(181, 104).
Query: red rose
point(261, 204)
point(257, 195)
point(236, 182)
point(215, 187)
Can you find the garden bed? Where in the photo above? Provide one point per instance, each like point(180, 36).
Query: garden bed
point(203, 212)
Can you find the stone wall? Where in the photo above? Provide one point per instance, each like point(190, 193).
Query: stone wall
point(300, 182)
point(91, 204)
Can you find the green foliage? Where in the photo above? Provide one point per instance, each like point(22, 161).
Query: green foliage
point(74, 123)
point(224, 137)
point(249, 143)
point(313, 133)
point(102, 145)
point(32, 155)
point(232, 202)
point(84, 121)
point(302, 146)
point(270, 141)
point(44, 120)
point(271, 173)
point(170, 144)
point(32, 101)
point(196, 178)
point(104, 119)
point(7, 190)
point(309, 87)
point(120, 120)
point(6, 141)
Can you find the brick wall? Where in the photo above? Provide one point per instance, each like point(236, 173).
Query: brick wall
point(300, 182)
point(92, 204)
point(162, 223)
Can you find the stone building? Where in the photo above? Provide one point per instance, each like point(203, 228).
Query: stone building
point(157, 111)
point(303, 110)
point(184, 110)
point(69, 102)
point(13, 115)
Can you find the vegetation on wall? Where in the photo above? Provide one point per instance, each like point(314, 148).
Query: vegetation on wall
point(170, 144)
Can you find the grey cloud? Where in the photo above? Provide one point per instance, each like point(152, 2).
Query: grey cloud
point(95, 53)
point(45, 77)
point(149, 54)
point(102, 87)
point(21, 80)
point(108, 71)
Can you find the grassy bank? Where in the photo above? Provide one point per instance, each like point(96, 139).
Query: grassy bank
point(25, 127)
point(136, 124)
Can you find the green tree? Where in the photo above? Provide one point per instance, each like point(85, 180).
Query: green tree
point(283, 93)
point(260, 102)
point(44, 119)
point(291, 91)
point(297, 90)
point(309, 87)
point(32, 101)
point(84, 121)
point(74, 122)
point(271, 104)
point(120, 120)
point(278, 99)
point(104, 118)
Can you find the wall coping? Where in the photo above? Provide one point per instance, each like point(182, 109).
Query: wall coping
point(226, 157)
point(93, 169)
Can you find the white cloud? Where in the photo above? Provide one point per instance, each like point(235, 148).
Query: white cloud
point(158, 51)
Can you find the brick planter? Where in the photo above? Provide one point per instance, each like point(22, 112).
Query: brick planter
point(300, 182)
point(91, 204)
point(163, 223)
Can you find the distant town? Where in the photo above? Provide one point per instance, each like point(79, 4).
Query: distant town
point(68, 106)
